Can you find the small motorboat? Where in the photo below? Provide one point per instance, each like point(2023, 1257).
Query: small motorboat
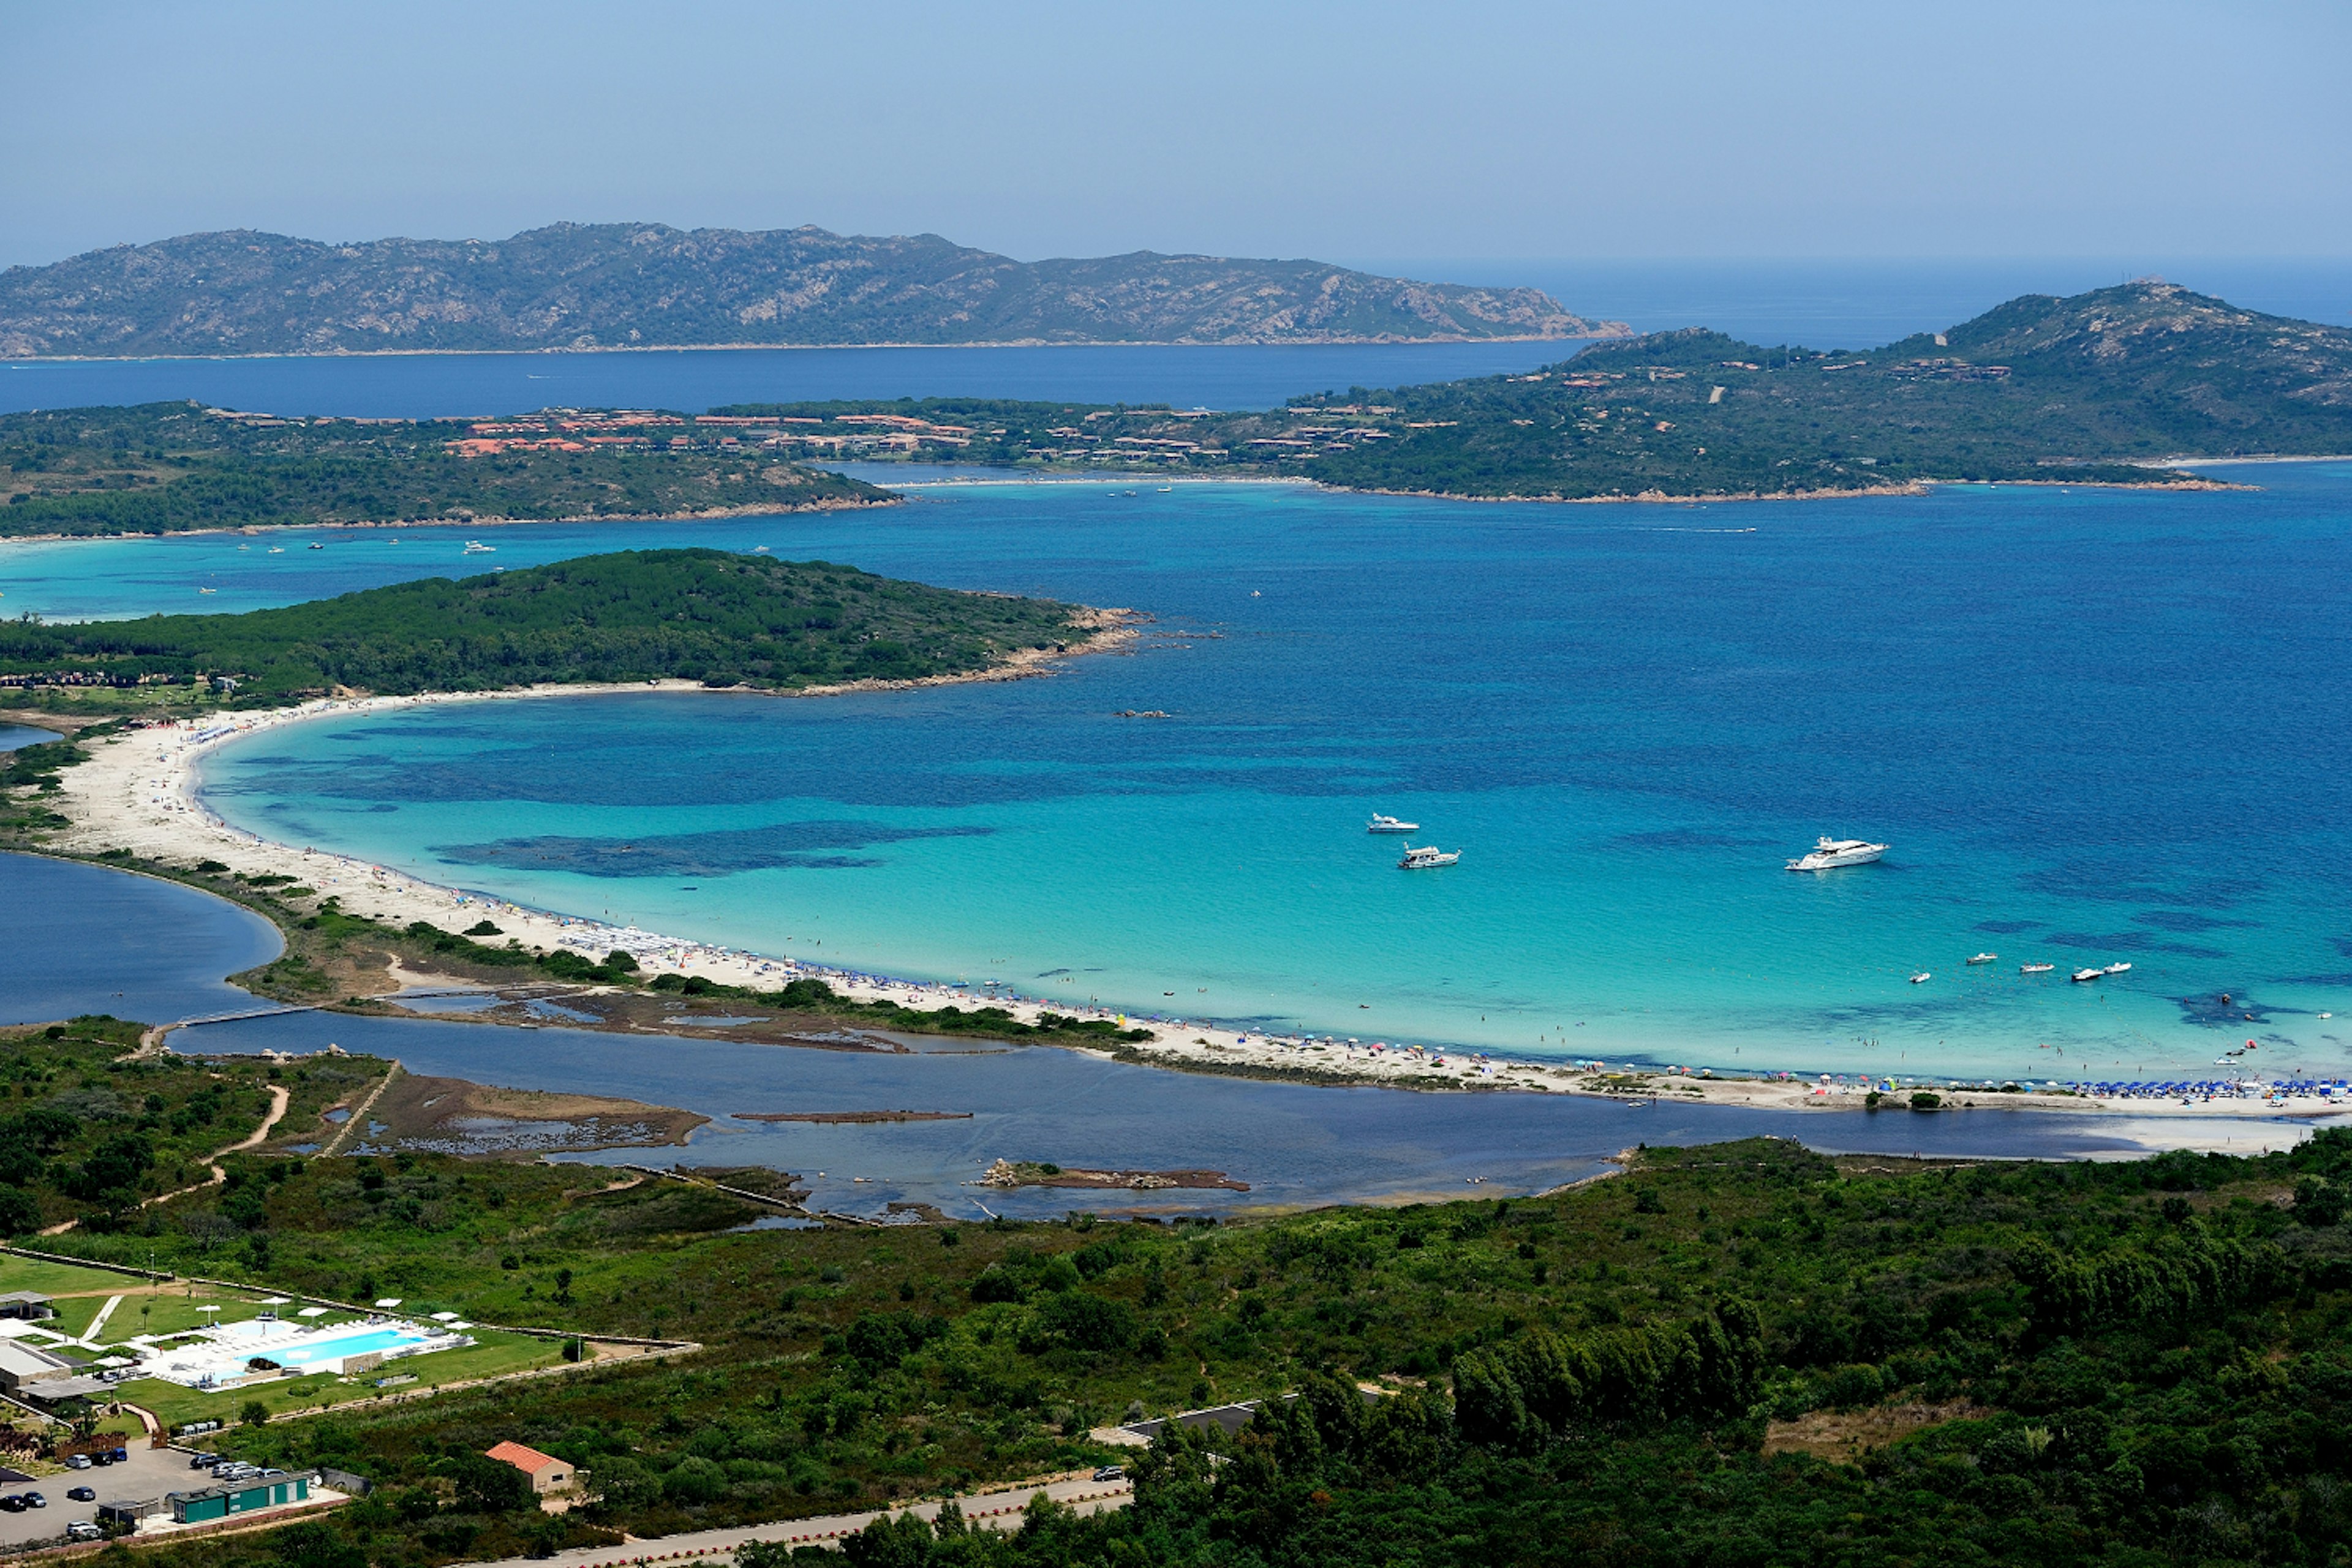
point(2116, 969)
point(1381, 824)
point(277, 550)
point(2082, 974)
point(1921, 978)
point(2035, 968)
point(1984, 958)
point(1425, 858)
point(318, 547)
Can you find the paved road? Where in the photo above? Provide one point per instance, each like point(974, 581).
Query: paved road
point(995, 1510)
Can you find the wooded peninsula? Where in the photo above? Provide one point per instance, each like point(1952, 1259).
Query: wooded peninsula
point(708, 616)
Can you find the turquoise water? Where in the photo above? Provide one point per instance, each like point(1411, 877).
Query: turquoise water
point(2096, 726)
point(71, 934)
point(340, 1346)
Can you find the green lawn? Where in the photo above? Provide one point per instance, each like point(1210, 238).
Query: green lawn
point(496, 1356)
point(60, 1279)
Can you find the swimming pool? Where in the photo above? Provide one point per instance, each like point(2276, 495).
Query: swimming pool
point(342, 1347)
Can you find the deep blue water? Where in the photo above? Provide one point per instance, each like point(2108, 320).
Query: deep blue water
point(2097, 726)
point(424, 386)
point(79, 939)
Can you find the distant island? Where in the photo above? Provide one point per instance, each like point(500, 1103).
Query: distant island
point(2108, 387)
point(624, 286)
point(708, 616)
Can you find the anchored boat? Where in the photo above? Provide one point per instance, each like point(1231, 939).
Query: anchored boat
point(1381, 824)
point(1831, 853)
point(1425, 858)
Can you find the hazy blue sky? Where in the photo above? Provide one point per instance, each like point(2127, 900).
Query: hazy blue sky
point(1341, 131)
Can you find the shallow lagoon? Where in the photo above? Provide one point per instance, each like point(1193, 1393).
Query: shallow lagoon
point(77, 939)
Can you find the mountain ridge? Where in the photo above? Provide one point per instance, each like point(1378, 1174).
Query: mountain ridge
point(623, 286)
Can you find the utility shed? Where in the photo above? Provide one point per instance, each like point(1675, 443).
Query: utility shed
point(241, 1497)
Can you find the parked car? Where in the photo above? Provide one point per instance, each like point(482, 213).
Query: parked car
point(35, 1499)
point(1110, 1472)
point(83, 1529)
point(82, 1494)
point(119, 1455)
point(76, 1461)
point(12, 1503)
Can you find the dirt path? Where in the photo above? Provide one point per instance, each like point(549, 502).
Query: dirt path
point(279, 1097)
point(358, 1117)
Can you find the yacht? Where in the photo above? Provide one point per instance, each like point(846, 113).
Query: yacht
point(2035, 968)
point(2082, 974)
point(476, 547)
point(1390, 824)
point(2118, 969)
point(1835, 852)
point(1424, 858)
point(1984, 958)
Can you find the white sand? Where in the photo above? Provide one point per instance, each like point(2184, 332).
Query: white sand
point(138, 791)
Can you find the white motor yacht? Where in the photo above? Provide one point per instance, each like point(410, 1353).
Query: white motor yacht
point(2118, 969)
point(1381, 824)
point(1424, 858)
point(476, 547)
point(2035, 968)
point(1984, 958)
point(1831, 853)
point(2082, 974)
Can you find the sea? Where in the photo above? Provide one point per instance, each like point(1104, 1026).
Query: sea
point(2097, 728)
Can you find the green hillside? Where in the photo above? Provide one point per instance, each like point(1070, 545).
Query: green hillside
point(168, 467)
point(2088, 388)
point(1739, 1354)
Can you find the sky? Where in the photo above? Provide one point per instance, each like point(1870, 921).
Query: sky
point(1506, 132)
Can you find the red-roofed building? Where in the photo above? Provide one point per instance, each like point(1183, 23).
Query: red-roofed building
point(547, 1472)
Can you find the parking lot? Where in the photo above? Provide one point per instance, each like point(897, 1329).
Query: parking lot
point(148, 1473)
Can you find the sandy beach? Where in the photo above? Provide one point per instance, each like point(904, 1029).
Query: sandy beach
point(139, 792)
